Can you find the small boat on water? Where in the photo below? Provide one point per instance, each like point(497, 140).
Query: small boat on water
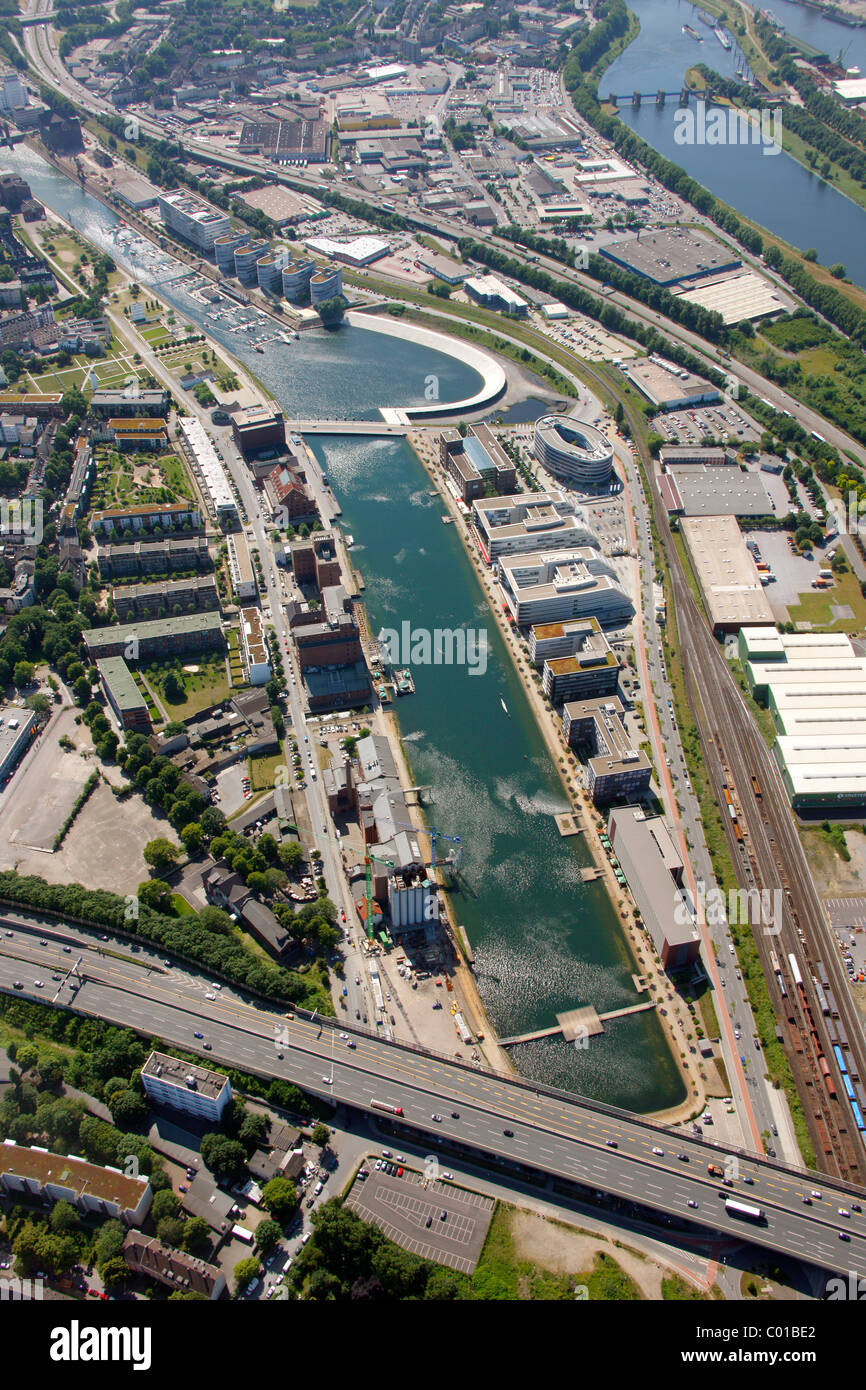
point(405, 684)
point(350, 541)
point(504, 706)
point(692, 33)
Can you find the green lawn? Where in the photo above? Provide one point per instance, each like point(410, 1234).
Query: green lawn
point(263, 771)
point(181, 907)
point(814, 607)
point(207, 686)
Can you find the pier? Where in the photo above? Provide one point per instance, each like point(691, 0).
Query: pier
point(582, 1022)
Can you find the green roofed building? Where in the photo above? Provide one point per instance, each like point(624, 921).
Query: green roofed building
point(192, 632)
point(123, 694)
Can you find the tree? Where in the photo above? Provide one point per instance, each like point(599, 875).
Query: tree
point(173, 687)
point(115, 1272)
point(226, 1158)
point(290, 855)
point(63, 1218)
point(128, 1109)
point(215, 919)
point(165, 1203)
point(320, 1135)
point(280, 1198)
point(245, 1271)
point(331, 311)
point(267, 1235)
point(196, 1235)
point(160, 854)
point(23, 674)
point(170, 1231)
point(192, 836)
point(155, 893)
point(109, 1242)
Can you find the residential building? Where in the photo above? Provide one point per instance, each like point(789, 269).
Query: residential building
point(185, 1086)
point(123, 694)
point(153, 557)
point(172, 596)
point(208, 471)
point(178, 1271)
point(257, 658)
point(240, 565)
point(91, 1190)
point(31, 327)
point(106, 404)
point(326, 284)
point(296, 279)
point(157, 637)
point(128, 520)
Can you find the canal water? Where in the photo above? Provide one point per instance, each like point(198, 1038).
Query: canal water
point(544, 941)
point(772, 189)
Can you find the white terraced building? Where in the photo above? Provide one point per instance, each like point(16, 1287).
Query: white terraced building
point(815, 687)
point(517, 525)
point(553, 588)
point(193, 219)
point(209, 472)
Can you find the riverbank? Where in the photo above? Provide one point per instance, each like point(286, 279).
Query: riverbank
point(579, 799)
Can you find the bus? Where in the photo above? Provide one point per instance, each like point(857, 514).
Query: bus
point(743, 1210)
point(820, 438)
point(389, 1109)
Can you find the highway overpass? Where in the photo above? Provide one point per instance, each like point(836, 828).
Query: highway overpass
point(509, 1119)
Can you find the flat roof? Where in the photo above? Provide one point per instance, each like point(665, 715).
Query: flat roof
point(726, 571)
point(120, 681)
point(738, 297)
point(77, 1174)
point(172, 1071)
point(9, 737)
point(718, 491)
point(662, 385)
point(154, 627)
point(671, 254)
point(648, 855)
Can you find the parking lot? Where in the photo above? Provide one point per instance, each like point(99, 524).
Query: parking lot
point(722, 421)
point(409, 1211)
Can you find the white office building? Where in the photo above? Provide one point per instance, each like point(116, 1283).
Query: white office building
point(554, 588)
point(530, 521)
point(193, 219)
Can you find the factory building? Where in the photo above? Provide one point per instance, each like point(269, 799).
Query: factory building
point(733, 594)
point(615, 768)
point(193, 219)
point(357, 251)
point(667, 386)
point(208, 471)
point(578, 454)
point(550, 588)
point(123, 694)
point(185, 1086)
point(653, 867)
point(815, 687)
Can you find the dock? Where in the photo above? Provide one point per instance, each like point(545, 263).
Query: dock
point(589, 875)
point(582, 1022)
point(567, 825)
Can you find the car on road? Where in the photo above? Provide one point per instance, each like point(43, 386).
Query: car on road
point(438, 1119)
point(351, 1043)
point(68, 950)
point(16, 984)
point(39, 983)
point(692, 1202)
point(198, 1035)
point(843, 1211)
point(9, 933)
point(816, 1194)
point(42, 941)
point(611, 1143)
point(660, 1152)
point(305, 1237)
point(449, 1176)
point(843, 1235)
point(328, 1080)
point(684, 1158)
point(210, 996)
point(206, 1046)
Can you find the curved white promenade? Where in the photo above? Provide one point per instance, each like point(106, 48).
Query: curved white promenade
point(494, 380)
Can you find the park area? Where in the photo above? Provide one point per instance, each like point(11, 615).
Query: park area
point(187, 688)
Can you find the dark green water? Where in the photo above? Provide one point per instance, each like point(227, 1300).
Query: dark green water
point(544, 941)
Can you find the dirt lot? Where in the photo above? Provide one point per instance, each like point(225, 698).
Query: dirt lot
point(569, 1251)
point(833, 876)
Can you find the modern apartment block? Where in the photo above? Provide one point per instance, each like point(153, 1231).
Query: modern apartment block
point(208, 470)
point(476, 461)
point(241, 572)
point(119, 521)
point(193, 632)
point(257, 657)
point(171, 597)
point(185, 1086)
point(153, 557)
point(91, 1190)
point(590, 668)
point(193, 219)
point(315, 561)
point(110, 404)
point(616, 768)
point(123, 694)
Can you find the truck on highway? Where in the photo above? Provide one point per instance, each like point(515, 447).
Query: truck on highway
point(743, 1210)
point(389, 1109)
point(714, 1170)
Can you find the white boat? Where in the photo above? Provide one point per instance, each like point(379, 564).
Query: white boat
point(504, 706)
point(350, 541)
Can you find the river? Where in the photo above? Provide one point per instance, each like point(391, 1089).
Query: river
point(544, 941)
point(771, 189)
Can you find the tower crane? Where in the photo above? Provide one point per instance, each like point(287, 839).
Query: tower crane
point(435, 834)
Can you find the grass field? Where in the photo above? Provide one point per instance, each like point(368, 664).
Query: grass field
point(207, 686)
point(815, 607)
point(263, 771)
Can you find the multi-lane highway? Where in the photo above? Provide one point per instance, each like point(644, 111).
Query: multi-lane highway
point(506, 1118)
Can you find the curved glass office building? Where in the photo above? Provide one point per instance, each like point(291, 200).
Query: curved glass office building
point(578, 454)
